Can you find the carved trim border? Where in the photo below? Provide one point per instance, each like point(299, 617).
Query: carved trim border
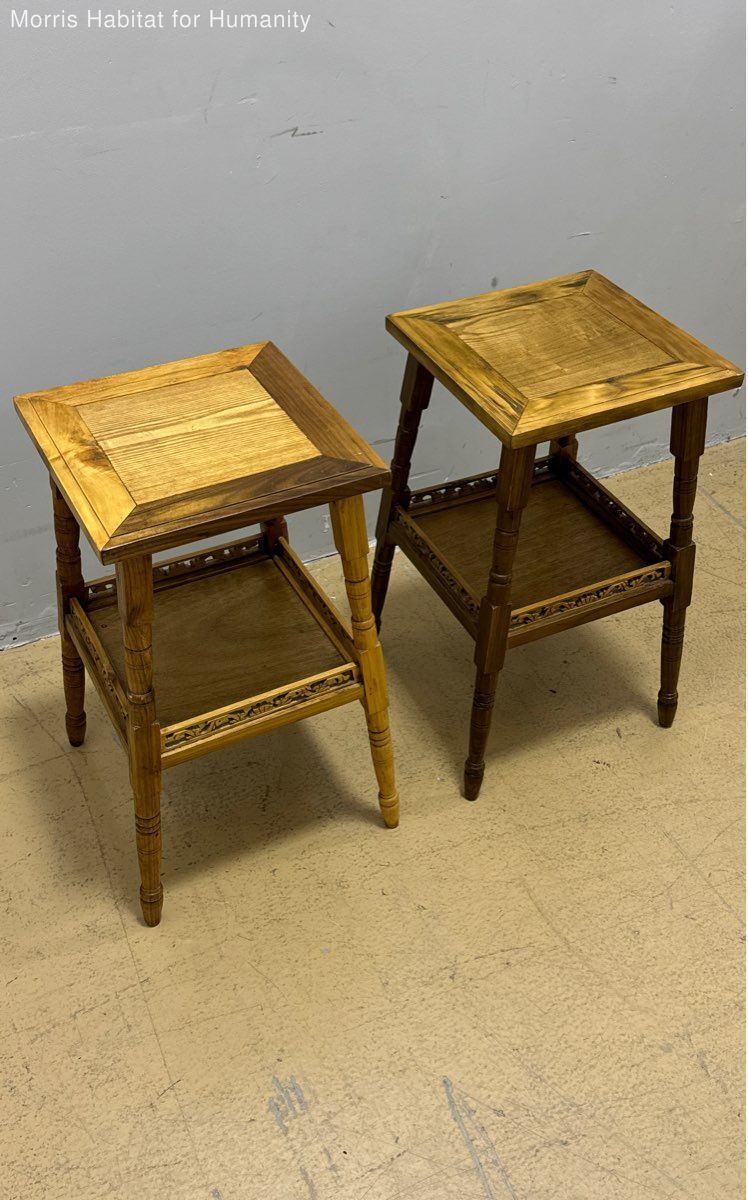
point(318, 599)
point(618, 516)
point(104, 672)
point(176, 570)
point(101, 591)
point(473, 487)
point(607, 591)
point(253, 710)
point(207, 560)
point(461, 489)
point(426, 551)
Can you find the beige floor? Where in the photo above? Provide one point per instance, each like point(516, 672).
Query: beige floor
point(535, 997)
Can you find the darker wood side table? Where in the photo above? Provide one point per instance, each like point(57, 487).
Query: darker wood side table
point(541, 546)
point(196, 652)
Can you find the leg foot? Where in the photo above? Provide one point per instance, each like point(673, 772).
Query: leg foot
point(381, 745)
point(673, 634)
point(473, 779)
point(384, 767)
point(480, 727)
point(151, 904)
point(148, 840)
point(667, 706)
point(74, 684)
point(390, 809)
point(75, 728)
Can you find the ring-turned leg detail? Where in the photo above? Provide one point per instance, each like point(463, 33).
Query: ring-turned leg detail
point(135, 599)
point(480, 726)
point(349, 530)
point(688, 434)
point(70, 586)
point(414, 399)
point(512, 493)
point(671, 653)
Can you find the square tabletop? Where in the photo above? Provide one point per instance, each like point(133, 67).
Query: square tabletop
point(551, 358)
point(158, 457)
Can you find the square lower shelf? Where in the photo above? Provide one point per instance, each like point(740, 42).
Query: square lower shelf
point(242, 642)
point(581, 554)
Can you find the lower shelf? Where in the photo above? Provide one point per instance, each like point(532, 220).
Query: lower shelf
point(235, 651)
point(580, 554)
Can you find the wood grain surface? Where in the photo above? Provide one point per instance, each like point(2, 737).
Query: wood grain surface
point(151, 459)
point(562, 545)
point(252, 632)
point(548, 359)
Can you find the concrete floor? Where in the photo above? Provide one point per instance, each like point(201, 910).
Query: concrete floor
point(534, 997)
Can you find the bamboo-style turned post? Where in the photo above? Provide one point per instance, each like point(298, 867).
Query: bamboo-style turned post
point(687, 437)
point(135, 600)
point(512, 493)
point(414, 399)
point(70, 586)
point(349, 531)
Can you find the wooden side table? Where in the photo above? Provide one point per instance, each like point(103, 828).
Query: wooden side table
point(191, 654)
point(533, 364)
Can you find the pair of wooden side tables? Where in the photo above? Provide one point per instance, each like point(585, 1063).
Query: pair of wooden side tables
point(244, 638)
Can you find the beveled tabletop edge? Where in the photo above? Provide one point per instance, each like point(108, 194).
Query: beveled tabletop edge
point(170, 535)
point(111, 545)
point(58, 470)
point(501, 421)
point(601, 289)
point(576, 278)
point(178, 370)
point(518, 430)
point(533, 429)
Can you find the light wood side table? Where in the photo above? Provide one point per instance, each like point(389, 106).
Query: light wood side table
point(534, 364)
point(196, 652)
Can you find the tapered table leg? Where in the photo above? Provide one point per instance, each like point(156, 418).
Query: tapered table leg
point(414, 399)
point(512, 492)
point(688, 434)
point(135, 600)
point(69, 585)
point(349, 531)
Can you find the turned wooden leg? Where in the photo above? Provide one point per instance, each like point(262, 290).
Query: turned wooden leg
point(135, 600)
point(512, 492)
point(272, 531)
point(69, 585)
point(688, 433)
point(349, 531)
point(414, 398)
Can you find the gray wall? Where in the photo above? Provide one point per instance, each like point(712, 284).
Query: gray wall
point(157, 205)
